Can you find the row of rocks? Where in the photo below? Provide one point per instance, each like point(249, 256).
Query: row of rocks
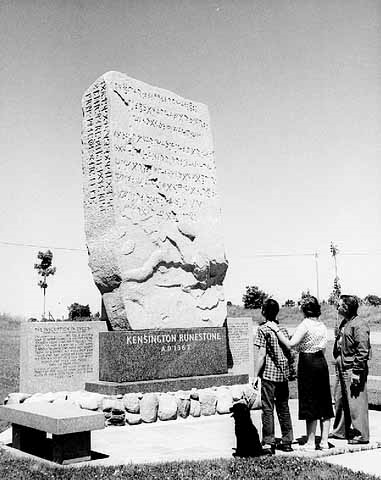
point(134, 408)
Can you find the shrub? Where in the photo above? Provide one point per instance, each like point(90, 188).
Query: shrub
point(76, 310)
point(254, 297)
point(289, 303)
point(372, 300)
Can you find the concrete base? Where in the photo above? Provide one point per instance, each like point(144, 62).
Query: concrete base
point(28, 439)
point(63, 449)
point(71, 448)
point(167, 385)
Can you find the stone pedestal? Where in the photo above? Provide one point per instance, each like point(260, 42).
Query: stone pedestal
point(167, 385)
point(166, 361)
point(129, 356)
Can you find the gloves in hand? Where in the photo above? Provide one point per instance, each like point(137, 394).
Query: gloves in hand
point(355, 380)
point(355, 385)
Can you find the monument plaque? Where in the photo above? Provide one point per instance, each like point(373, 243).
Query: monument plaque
point(58, 356)
point(129, 356)
point(152, 214)
point(240, 345)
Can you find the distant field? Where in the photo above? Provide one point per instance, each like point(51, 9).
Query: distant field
point(292, 316)
point(9, 355)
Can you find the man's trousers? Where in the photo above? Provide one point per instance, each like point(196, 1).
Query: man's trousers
point(275, 393)
point(351, 405)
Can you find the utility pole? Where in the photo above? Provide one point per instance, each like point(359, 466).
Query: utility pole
point(336, 283)
point(317, 274)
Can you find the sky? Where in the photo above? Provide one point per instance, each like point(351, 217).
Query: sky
point(294, 94)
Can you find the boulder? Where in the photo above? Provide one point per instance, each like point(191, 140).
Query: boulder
point(224, 400)
point(17, 397)
point(131, 402)
point(252, 397)
point(108, 403)
point(194, 394)
point(60, 395)
point(117, 417)
point(65, 403)
point(237, 392)
point(183, 407)
point(167, 407)
point(208, 401)
point(91, 401)
point(183, 395)
point(38, 397)
point(76, 396)
point(133, 418)
point(149, 406)
point(195, 408)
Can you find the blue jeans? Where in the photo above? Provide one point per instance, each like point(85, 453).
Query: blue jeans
point(275, 393)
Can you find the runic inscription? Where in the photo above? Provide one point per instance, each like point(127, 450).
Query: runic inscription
point(151, 206)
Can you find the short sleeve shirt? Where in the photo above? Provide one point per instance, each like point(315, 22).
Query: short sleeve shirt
point(315, 337)
point(277, 360)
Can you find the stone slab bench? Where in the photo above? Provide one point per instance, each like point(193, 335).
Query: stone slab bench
point(69, 426)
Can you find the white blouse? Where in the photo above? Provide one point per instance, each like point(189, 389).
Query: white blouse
point(315, 335)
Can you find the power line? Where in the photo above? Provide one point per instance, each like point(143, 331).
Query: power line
point(280, 255)
point(16, 244)
point(264, 255)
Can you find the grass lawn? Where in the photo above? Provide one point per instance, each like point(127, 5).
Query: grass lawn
point(264, 468)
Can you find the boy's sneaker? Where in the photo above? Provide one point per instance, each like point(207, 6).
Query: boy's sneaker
point(269, 448)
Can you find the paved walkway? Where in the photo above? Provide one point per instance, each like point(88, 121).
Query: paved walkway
point(213, 437)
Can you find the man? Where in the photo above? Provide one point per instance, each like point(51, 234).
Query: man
point(275, 367)
point(352, 352)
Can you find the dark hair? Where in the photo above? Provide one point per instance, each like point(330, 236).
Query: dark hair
point(310, 307)
point(351, 303)
point(270, 309)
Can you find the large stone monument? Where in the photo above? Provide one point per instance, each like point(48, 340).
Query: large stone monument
point(152, 213)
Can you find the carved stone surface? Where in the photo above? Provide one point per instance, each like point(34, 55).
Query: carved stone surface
point(152, 214)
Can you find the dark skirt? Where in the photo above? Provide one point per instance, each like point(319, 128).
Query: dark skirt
point(314, 391)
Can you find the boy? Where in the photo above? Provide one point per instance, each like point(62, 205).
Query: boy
point(275, 365)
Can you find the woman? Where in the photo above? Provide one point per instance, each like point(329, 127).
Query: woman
point(315, 402)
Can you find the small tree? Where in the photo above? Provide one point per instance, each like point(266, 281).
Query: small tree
point(304, 294)
point(334, 296)
point(76, 310)
point(254, 297)
point(44, 269)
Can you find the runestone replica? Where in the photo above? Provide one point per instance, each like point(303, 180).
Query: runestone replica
point(152, 214)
